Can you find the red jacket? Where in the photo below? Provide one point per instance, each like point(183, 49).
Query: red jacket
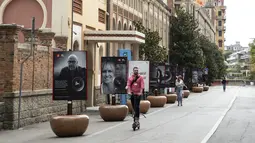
point(137, 87)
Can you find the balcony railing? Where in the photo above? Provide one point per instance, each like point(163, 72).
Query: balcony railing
point(222, 17)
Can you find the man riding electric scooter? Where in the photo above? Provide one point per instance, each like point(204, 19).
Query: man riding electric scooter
point(135, 86)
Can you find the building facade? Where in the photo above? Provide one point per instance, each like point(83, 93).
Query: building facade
point(235, 47)
point(220, 24)
point(239, 64)
point(204, 13)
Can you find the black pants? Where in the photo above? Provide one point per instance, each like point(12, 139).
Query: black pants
point(135, 101)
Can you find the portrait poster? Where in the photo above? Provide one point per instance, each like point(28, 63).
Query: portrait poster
point(170, 75)
point(69, 75)
point(114, 75)
point(200, 76)
point(194, 76)
point(157, 75)
point(144, 69)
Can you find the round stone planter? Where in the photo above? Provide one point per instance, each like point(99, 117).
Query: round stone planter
point(186, 93)
point(69, 125)
point(171, 98)
point(206, 88)
point(144, 106)
point(113, 112)
point(197, 89)
point(157, 101)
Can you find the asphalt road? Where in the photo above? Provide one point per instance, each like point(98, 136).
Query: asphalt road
point(194, 122)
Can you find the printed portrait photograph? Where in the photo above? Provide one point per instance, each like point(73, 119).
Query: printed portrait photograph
point(114, 75)
point(157, 74)
point(70, 75)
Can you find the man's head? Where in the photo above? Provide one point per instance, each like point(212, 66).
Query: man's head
point(72, 62)
point(135, 70)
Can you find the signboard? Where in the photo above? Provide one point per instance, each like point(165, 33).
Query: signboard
point(144, 69)
point(113, 75)
point(157, 74)
point(69, 75)
point(194, 76)
point(125, 53)
point(170, 75)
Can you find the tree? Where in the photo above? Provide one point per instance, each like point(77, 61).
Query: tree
point(185, 50)
point(214, 59)
point(252, 60)
point(151, 50)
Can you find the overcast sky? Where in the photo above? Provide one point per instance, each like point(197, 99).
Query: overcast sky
point(240, 24)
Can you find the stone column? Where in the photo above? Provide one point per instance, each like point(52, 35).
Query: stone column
point(45, 39)
point(8, 47)
point(91, 73)
point(61, 42)
point(135, 52)
point(28, 39)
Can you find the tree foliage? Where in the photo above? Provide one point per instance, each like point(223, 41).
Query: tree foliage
point(190, 49)
point(151, 50)
point(252, 64)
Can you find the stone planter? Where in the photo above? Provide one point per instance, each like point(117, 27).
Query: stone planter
point(113, 112)
point(206, 88)
point(186, 93)
point(197, 89)
point(70, 125)
point(171, 98)
point(144, 106)
point(157, 101)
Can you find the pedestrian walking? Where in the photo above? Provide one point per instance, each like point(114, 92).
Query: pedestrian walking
point(135, 87)
point(224, 83)
point(179, 88)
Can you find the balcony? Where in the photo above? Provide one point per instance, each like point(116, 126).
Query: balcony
point(222, 17)
point(221, 28)
point(223, 7)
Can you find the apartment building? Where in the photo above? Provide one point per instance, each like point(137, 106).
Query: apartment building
point(235, 47)
point(239, 63)
point(204, 13)
point(221, 20)
point(154, 14)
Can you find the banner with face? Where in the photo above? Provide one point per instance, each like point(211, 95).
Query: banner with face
point(69, 75)
point(113, 75)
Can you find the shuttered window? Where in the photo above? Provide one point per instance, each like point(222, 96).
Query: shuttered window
point(77, 6)
point(101, 16)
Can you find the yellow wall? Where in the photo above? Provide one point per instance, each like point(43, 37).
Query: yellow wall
point(217, 33)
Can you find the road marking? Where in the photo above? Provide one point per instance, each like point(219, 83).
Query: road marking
point(214, 128)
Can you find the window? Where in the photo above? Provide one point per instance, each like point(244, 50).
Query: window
point(220, 43)
point(220, 33)
point(101, 16)
point(77, 6)
point(220, 23)
point(219, 13)
point(177, 6)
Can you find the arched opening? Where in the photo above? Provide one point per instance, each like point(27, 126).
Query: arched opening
point(119, 26)
point(76, 45)
point(130, 27)
point(113, 24)
point(125, 26)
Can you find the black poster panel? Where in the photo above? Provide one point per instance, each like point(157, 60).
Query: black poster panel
point(170, 75)
point(157, 75)
point(69, 75)
point(114, 73)
point(200, 76)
